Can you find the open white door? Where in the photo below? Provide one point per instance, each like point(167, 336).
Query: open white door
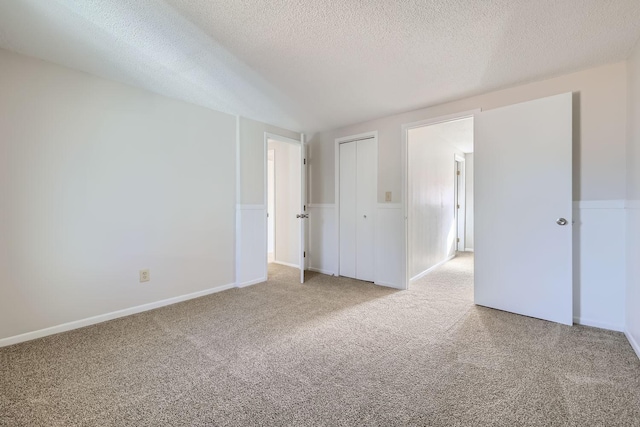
point(523, 208)
point(303, 209)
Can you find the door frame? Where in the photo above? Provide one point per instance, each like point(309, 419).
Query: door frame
point(274, 203)
point(265, 200)
point(337, 142)
point(405, 128)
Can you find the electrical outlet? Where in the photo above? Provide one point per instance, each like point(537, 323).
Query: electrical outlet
point(387, 196)
point(145, 276)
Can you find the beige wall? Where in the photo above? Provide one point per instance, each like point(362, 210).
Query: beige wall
point(600, 134)
point(252, 157)
point(632, 323)
point(99, 180)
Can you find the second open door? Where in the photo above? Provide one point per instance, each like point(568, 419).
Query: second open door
point(523, 208)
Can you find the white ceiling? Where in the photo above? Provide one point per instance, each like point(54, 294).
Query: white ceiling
point(326, 63)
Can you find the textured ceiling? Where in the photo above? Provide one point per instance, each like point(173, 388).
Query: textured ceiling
point(314, 65)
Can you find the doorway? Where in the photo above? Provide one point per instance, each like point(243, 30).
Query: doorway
point(522, 237)
point(437, 218)
point(284, 196)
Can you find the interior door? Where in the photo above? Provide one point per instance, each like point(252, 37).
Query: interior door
point(523, 208)
point(271, 203)
point(303, 208)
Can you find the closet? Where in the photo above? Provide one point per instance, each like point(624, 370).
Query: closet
point(358, 196)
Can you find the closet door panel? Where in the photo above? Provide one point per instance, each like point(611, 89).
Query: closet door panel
point(348, 213)
point(366, 184)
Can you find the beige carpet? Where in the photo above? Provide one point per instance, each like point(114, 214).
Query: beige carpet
point(331, 352)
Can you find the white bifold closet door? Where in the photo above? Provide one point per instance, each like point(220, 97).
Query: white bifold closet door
point(358, 179)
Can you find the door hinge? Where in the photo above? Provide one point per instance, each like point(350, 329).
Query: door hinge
point(458, 206)
point(304, 254)
point(458, 172)
point(304, 208)
point(458, 240)
point(304, 161)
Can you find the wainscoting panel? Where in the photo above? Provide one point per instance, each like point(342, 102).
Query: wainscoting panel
point(632, 327)
point(322, 254)
point(599, 264)
point(251, 253)
point(389, 242)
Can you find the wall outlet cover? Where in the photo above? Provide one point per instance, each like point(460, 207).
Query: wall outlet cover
point(145, 276)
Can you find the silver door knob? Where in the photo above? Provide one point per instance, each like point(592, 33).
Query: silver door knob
point(365, 216)
point(561, 221)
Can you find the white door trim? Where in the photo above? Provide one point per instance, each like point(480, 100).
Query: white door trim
point(338, 141)
point(405, 175)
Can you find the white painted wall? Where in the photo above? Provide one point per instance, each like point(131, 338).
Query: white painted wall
point(599, 264)
point(251, 211)
point(322, 229)
point(632, 321)
point(99, 180)
point(468, 179)
point(432, 236)
point(599, 128)
point(287, 201)
point(252, 159)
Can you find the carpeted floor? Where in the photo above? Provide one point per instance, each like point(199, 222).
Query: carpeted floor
point(333, 351)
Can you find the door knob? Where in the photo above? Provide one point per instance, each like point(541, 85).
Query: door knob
point(561, 221)
point(365, 216)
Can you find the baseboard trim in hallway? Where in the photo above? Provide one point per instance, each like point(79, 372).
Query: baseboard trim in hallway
point(430, 269)
point(597, 324)
point(76, 324)
point(322, 271)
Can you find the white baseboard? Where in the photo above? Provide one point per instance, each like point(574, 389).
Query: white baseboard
point(287, 264)
point(322, 271)
point(387, 285)
point(634, 343)
point(598, 324)
point(251, 282)
point(430, 269)
point(108, 316)
point(468, 249)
